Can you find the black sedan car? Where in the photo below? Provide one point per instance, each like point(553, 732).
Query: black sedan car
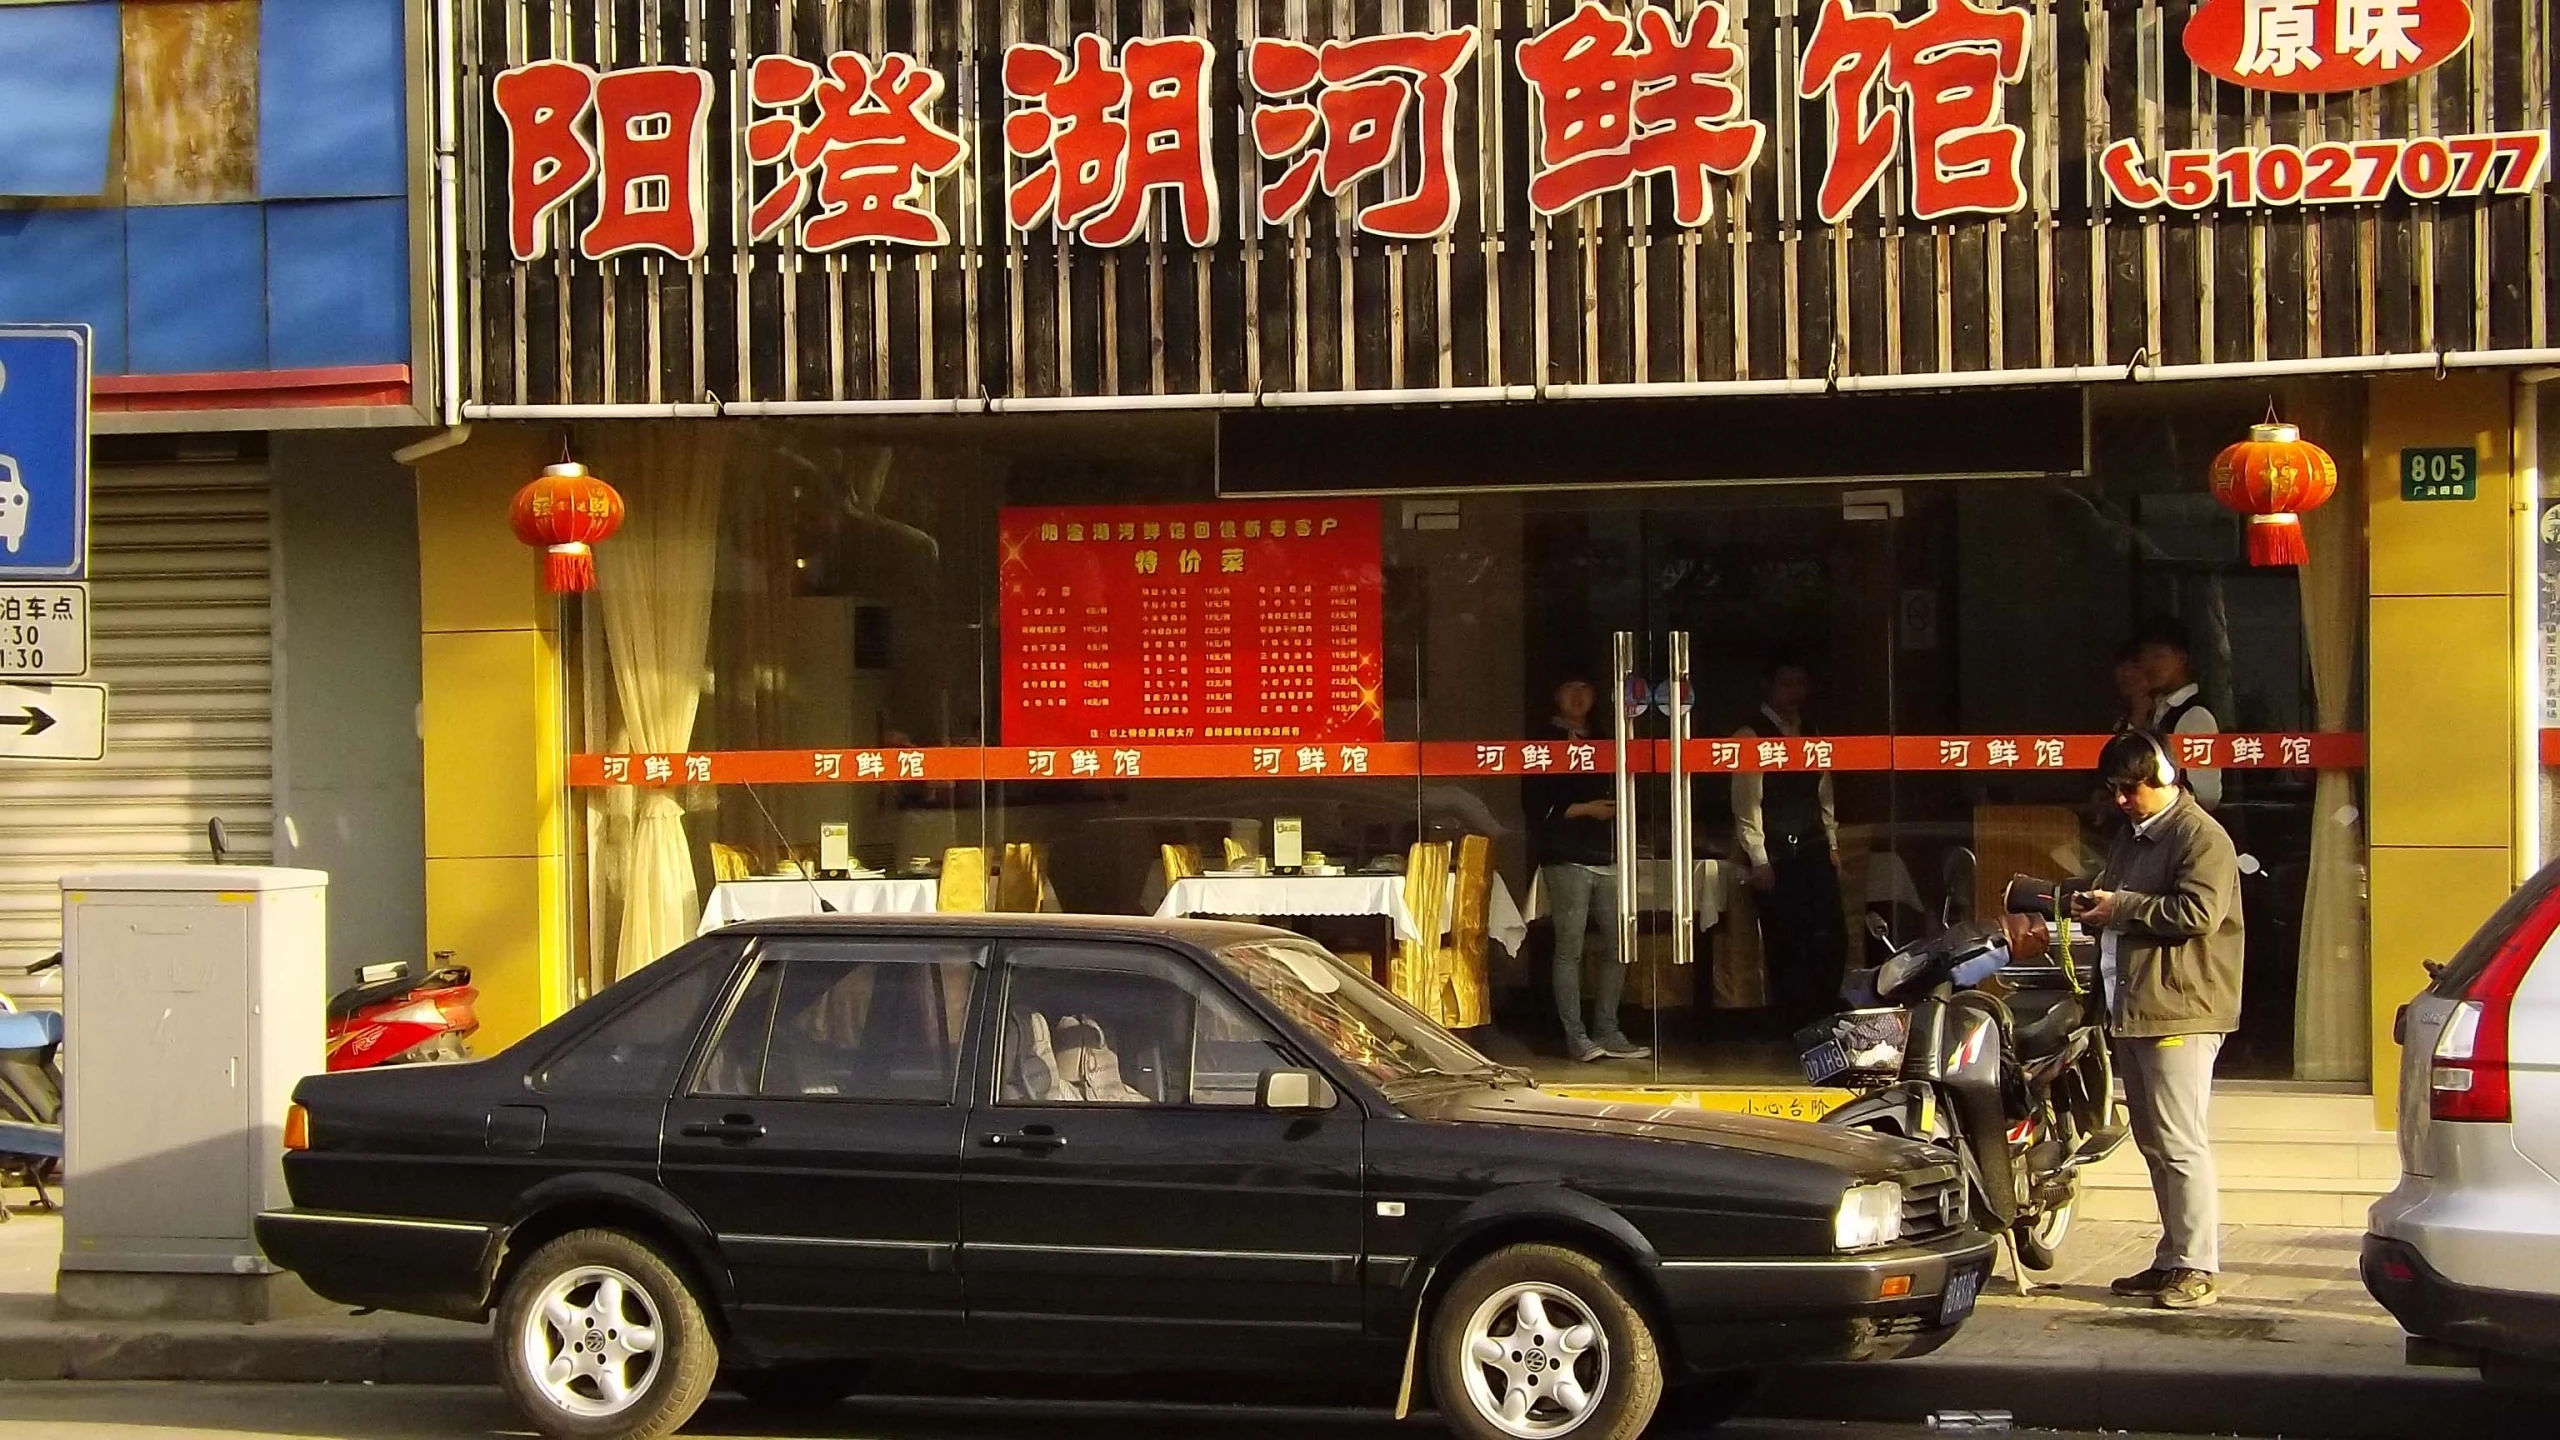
point(1027, 1141)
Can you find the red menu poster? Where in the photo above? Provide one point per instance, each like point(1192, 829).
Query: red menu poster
point(1213, 622)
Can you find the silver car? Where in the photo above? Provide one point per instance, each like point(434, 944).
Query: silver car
point(2465, 1253)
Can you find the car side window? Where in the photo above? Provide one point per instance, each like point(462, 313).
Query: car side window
point(847, 1020)
point(735, 1063)
point(636, 1052)
point(1124, 1025)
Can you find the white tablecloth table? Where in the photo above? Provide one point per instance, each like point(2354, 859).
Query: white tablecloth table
point(770, 899)
point(1364, 894)
point(1653, 889)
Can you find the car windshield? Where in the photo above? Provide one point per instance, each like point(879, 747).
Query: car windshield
point(1355, 1017)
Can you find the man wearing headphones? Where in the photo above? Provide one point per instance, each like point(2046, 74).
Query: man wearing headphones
point(2167, 915)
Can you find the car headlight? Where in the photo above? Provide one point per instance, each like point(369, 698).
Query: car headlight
point(1870, 1215)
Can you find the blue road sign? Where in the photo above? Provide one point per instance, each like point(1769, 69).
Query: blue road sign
point(44, 452)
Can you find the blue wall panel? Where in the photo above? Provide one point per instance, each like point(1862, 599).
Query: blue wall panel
point(332, 98)
point(196, 288)
point(337, 283)
point(59, 266)
point(58, 66)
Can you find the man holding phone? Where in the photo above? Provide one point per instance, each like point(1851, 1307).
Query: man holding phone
point(2167, 916)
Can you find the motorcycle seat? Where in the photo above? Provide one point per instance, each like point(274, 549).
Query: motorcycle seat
point(356, 997)
point(30, 1030)
point(2048, 1033)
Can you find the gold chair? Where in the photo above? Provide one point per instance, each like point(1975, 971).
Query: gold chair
point(730, 862)
point(1019, 883)
point(1426, 901)
point(1181, 862)
point(1238, 854)
point(964, 880)
point(1459, 991)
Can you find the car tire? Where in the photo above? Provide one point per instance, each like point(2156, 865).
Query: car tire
point(799, 1388)
point(600, 1338)
point(1603, 1388)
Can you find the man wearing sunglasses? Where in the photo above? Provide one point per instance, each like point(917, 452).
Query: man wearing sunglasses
point(2167, 914)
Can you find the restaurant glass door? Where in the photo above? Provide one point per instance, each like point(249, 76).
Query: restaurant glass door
point(1674, 606)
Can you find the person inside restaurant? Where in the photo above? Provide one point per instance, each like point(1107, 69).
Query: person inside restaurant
point(2177, 704)
point(1789, 831)
point(1571, 817)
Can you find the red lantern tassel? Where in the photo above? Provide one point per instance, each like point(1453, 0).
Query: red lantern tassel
point(569, 569)
point(2277, 540)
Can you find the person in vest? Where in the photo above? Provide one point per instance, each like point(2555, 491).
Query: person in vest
point(2177, 704)
point(1790, 837)
point(1571, 817)
point(2170, 943)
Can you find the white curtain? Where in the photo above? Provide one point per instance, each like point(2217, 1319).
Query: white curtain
point(654, 584)
point(2331, 1019)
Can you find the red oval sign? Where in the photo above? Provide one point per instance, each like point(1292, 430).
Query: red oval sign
point(2309, 47)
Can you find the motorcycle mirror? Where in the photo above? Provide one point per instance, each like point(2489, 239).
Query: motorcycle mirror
point(1877, 927)
point(220, 838)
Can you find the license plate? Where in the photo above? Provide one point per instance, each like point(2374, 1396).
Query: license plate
point(1963, 1288)
point(1824, 1061)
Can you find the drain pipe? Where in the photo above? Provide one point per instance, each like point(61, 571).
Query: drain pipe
point(2525, 595)
point(448, 227)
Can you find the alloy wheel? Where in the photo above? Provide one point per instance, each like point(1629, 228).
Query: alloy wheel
point(1537, 1360)
point(591, 1341)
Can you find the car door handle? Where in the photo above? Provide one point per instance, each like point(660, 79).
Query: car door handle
point(1036, 1138)
point(727, 1127)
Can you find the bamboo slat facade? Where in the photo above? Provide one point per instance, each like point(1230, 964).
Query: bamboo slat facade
point(1611, 296)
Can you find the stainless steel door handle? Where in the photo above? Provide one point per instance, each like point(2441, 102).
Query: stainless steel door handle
point(1622, 651)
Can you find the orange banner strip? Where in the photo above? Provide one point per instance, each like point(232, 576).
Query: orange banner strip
point(2336, 750)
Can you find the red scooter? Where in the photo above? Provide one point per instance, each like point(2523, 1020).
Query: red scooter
point(386, 1019)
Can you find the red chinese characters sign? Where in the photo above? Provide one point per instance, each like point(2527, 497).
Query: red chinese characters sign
point(2312, 47)
point(1109, 141)
point(1192, 623)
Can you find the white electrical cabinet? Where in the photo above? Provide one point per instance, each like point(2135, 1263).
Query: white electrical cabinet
point(193, 1001)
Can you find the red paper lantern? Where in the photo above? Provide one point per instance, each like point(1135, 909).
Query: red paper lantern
point(2272, 477)
point(565, 512)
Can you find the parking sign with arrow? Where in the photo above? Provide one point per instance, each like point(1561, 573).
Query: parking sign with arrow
point(53, 722)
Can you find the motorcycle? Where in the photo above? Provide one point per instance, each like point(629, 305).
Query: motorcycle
point(387, 1019)
point(31, 1096)
point(1965, 1041)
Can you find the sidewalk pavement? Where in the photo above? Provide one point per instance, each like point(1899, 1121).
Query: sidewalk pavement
point(2295, 1348)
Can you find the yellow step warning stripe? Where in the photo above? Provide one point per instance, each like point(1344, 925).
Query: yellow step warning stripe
point(1800, 1104)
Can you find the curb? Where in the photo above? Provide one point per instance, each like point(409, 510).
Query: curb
point(225, 1352)
point(2093, 1394)
point(2363, 1403)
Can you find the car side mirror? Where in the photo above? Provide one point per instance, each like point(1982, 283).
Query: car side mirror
point(1296, 1090)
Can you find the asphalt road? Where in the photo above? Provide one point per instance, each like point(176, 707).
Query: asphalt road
point(95, 1410)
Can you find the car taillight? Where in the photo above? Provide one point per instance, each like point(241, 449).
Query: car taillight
point(2467, 1076)
point(297, 1128)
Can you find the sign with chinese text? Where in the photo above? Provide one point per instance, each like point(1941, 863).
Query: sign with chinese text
point(1478, 759)
point(2311, 47)
point(982, 202)
point(44, 632)
point(2449, 472)
point(1189, 623)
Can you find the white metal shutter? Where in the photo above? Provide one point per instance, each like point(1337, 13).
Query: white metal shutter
point(180, 579)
